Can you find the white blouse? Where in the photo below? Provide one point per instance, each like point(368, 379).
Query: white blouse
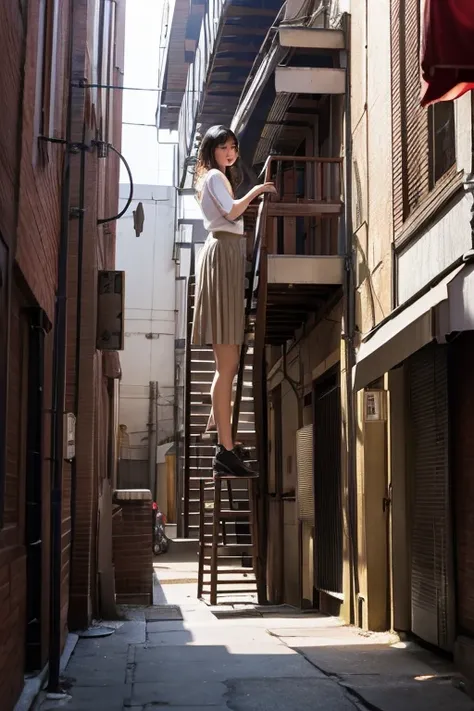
point(216, 202)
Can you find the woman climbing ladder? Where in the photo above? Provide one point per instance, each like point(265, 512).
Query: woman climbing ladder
point(219, 312)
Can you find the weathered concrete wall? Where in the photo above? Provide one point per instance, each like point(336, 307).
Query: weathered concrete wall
point(372, 158)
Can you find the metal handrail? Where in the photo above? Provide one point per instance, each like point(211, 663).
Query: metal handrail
point(187, 398)
point(259, 233)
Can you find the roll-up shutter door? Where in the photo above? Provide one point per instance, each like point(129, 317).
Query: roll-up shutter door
point(431, 539)
point(328, 553)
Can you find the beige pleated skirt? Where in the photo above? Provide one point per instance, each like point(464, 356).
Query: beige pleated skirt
point(219, 306)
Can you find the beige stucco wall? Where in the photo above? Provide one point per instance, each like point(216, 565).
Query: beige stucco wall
point(373, 225)
point(310, 358)
point(372, 158)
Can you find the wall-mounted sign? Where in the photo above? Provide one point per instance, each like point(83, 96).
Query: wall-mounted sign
point(69, 436)
point(375, 408)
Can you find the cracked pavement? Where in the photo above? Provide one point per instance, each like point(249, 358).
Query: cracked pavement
point(281, 660)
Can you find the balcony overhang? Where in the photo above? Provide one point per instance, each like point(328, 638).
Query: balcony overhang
point(311, 38)
point(444, 309)
point(310, 80)
point(299, 270)
point(185, 24)
point(242, 28)
point(290, 305)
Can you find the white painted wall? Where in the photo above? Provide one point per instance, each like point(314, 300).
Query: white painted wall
point(149, 311)
point(147, 260)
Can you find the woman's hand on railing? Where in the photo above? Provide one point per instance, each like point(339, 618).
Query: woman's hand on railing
point(268, 188)
point(239, 206)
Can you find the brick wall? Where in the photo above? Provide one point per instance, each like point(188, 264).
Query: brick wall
point(132, 554)
point(11, 52)
point(98, 252)
point(12, 551)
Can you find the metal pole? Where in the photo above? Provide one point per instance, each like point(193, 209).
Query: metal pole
point(152, 437)
point(58, 398)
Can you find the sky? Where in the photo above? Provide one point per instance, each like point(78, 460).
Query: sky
point(151, 164)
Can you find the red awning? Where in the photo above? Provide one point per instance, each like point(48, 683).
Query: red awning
point(447, 58)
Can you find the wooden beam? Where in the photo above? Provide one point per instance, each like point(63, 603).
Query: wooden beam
point(296, 209)
point(225, 62)
point(295, 116)
point(238, 11)
point(239, 47)
point(310, 80)
point(305, 104)
point(239, 31)
point(311, 38)
point(228, 87)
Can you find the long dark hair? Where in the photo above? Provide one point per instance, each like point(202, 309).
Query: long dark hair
point(217, 136)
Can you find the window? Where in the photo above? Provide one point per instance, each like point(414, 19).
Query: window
point(442, 152)
point(46, 68)
point(424, 151)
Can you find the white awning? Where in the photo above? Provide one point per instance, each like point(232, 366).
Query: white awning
point(417, 325)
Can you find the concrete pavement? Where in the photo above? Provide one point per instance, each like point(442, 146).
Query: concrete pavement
point(277, 660)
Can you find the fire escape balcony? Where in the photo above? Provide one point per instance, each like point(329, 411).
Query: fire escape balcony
point(319, 38)
point(309, 43)
point(301, 263)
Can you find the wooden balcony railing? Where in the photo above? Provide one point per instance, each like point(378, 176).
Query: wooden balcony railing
point(302, 179)
point(304, 216)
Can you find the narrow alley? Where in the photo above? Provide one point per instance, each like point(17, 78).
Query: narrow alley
point(186, 656)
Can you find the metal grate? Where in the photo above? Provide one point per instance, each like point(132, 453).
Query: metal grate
point(304, 469)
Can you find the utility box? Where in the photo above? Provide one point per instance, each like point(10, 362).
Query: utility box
point(110, 311)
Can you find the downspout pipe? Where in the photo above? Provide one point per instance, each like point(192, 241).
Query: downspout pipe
point(152, 437)
point(349, 337)
point(77, 355)
point(58, 396)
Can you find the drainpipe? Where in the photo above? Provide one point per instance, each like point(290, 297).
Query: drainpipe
point(152, 437)
point(58, 396)
point(349, 336)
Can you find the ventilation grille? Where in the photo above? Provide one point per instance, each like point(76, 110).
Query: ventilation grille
point(304, 468)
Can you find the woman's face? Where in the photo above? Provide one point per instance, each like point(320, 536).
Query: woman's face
point(226, 154)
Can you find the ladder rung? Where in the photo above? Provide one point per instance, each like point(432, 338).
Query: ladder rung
point(233, 582)
point(235, 592)
point(230, 535)
point(231, 571)
point(230, 545)
point(230, 514)
point(227, 557)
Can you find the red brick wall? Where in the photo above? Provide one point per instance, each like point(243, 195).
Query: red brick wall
point(11, 53)
point(101, 200)
point(30, 199)
point(133, 560)
point(12, 551)
point(41, 177)
point(29, 223)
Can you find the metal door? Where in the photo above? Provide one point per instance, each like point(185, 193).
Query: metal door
point(431, 541)
point(328, 557)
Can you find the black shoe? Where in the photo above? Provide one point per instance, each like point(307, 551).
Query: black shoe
point(228, 463)
point(242, 453)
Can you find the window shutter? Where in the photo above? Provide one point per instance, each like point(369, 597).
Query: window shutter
point(410, 120)
point(430, 511)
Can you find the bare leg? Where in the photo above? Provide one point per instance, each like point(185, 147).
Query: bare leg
point(227, 362)
point(211, 425)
